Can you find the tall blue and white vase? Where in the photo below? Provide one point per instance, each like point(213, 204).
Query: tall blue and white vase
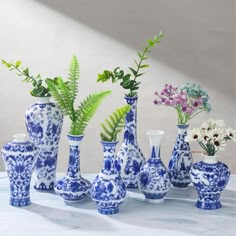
point(108, 188)
point(154, 181)
point(44, 122)
point(19, 157)
point(209, 177)
point(73, 187)
point(181, 160)
point(130, 156)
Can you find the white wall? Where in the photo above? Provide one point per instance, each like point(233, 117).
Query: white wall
point(199, 46)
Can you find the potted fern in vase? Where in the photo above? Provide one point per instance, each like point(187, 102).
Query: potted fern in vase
point(73, 187)
point(43, 121)
point(108, 188)
point(130, 156)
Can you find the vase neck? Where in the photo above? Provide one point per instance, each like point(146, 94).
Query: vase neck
point(210, 159)
point(19, 138)
point(73, 170)
point(109, 163)
point(130, 131)
point(182, 129)
point(43, 100)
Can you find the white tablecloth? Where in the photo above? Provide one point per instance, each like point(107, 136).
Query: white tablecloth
point(176, 216)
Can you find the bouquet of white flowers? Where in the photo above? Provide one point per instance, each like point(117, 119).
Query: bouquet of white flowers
point(212, 136)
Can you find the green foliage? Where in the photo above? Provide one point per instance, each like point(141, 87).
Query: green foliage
point(128, 81)
point(65, 92)
point(39, 90)
point(112, 126)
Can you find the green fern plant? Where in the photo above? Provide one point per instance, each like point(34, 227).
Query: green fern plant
point(65, 92)
point(112, 126)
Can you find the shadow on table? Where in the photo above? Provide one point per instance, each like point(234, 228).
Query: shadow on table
point(70, 219)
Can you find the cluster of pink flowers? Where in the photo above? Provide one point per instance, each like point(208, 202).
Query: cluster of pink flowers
point(171, 96)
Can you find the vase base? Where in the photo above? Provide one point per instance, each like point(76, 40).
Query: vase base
point(151, 200)
point(108, 211)
point(208, 205)
point(175, 187)
point(19, 202)
point(43, 187)
point(179, 185)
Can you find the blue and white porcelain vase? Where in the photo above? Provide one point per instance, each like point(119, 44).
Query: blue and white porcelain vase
point(44, 122)
point(181, 160)
point(209, 177)
point(130, 156)
point(19, 157)
point(154, 180)
point(108, 188)
point(73, 187)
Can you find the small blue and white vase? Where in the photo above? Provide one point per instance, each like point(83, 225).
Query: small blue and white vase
point(73, 187)
point(108, 188)
point(181, 160)
point(154, 181)
point(130, 156)
point(19, 157)
point(209, 177)
point(44, 122)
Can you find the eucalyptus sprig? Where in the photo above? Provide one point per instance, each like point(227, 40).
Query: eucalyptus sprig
point(112, 126)
point(129, 81)
point(39, 90)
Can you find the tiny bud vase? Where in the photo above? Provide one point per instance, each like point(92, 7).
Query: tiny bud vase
point(73, 187)
point(181, 160)
point(154, 181)
point(209, 177)
point(130, 156)
point(19, 157)
point(108, 188)
point(44, 122)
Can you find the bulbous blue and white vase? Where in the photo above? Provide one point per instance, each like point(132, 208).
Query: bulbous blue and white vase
point(130, 156)
point(181, 160)
point(154, 181)
point(19, 157)
point(44, 122)
point(209, 177)
point(73, 187)
point(108, 188)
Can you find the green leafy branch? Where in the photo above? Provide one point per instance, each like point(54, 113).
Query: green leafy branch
point(112, 126)
point(128, 81)
point(39, 90)
point(65, 92)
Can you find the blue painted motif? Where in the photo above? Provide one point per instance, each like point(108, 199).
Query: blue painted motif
point(73, 187)
point(181, 160)
point(108, 188)
point(209, 180)
point(154, 181)
point(130, 156)
point(44, 123)
point(19, 159)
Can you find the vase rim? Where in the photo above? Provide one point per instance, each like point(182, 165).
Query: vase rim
point(43, 99)
point(131, 98)
point(111, 142)
point(20, 138)
point(182, 124)
point(154, 132)
point(204, 155)
point(75, 135)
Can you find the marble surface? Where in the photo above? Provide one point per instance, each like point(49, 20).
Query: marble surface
point(176, 216)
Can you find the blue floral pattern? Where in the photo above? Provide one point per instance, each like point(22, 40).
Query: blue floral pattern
point(181, 160)
point(209, 180)
point(130, 156)
point(154, 181)
point(108, 188)
point(44, 123)
point(19, 159)
point(73, 187)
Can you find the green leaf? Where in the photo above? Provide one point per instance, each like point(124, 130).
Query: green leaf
point(26, 71)
point(136, 63)
point(18, 63)
point(140, 55)
point(151, 43)
point(144, 66)
point(133, 71)
point(139, 74)
point(114, 125)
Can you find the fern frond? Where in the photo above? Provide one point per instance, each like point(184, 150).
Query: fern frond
point(87, 110)
point(73, 77)
point(115, 124)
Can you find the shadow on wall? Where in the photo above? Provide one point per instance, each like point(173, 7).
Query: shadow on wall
point(199, 34)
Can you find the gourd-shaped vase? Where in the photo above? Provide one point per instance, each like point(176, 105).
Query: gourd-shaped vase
point(19, 157)
point(73, 187)
point(130, 156)
point(209, 177)
point(44, 122)
point(108, 188)
point(154, 181)
point(181, 160)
